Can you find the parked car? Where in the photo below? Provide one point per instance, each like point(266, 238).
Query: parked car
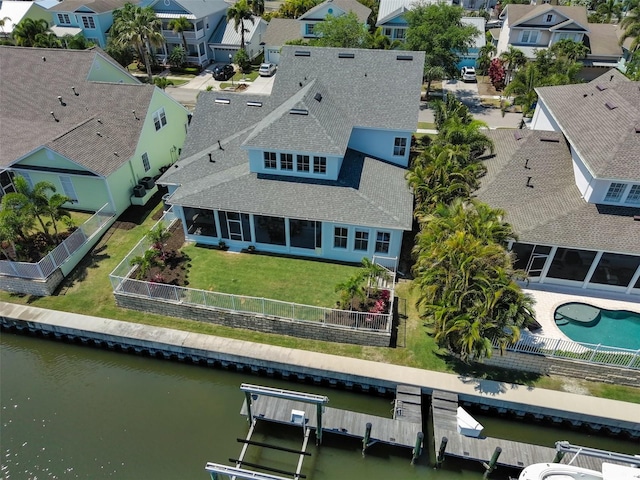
point(468, 74)
point(493, 24)
point(223, 72)
point(267, 69)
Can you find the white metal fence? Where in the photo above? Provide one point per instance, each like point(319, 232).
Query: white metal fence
point(583, 352)
point(121, 284)
point(59, 255)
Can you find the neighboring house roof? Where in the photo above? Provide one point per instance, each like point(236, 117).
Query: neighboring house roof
point(14, 12)
point(96, 6)
point(361, 11)
point(389, 9)
point(600, 119)
point(196, 8)
point(95, 128)
point(551, 212)
point(481, 39)
point(602, 40)
point(61, 31)
point(226, 34)
point(47, 3)
point(518, 14)
point(281, 30)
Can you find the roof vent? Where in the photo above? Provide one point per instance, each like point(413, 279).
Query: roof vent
point(317, 97)
point(54, 117)
point(219, 146)
point(346, 55)
point(302, 53)
point(61, 102)
point(254, 104)
point(550, 139)
point(44, 59)
point(637, 128)
point(585, 95)
point(601, 87)
point(223, 101)
point(211, 159)
point(99, 134)
point(518, 134)
point(74, 91)
point(610, 106)
point(529, 182)
point(405, 57)
point(100, 121)
point(134, 114)
point(299, 111)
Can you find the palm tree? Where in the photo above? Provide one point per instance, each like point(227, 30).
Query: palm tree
point(351, 288)
point(257, 7)
point(449, 106)
point(162, 82)
point(456, 131)
point(179, 26)
point(55, 210)
point(47, 40)
point(631, 25)
point(512, 59)
point(140, 28)
point(484, 57)
point(145, 263)
point(25, 32)
point(3, 22)
point(523, 88)
point(14, 223)
point(32, 201)
point(431, 74)
point(158, 237)
point(570, 49)
point(608, 9)
point(379, 41)
point(240, 12)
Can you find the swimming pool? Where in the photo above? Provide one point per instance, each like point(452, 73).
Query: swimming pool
point(588, 324)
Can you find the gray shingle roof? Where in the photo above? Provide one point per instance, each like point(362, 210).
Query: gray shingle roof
point(552, 212)
point(30, 87)
point(280, 30)
point(603, 39)
point(517, 13)
point(97, 6)
point(199, 8)
point(604, 137)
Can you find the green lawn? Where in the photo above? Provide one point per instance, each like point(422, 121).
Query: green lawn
point(267, 276)
point(427, 125)
point(88, 291)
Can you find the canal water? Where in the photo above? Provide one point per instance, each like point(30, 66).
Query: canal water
point(76, 412)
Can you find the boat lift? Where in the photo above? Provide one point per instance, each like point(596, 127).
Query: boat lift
point(564, 447)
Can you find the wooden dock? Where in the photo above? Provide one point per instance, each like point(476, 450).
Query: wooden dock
point(444, 406)
point(408, 404)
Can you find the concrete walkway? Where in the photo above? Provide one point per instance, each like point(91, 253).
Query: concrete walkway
point(549, 402)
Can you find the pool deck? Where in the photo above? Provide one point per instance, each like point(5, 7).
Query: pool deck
point(549, 299)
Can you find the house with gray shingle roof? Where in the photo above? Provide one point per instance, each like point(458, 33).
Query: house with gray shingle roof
point(571, 187)
point(282, 30)
point(316, 168)
point(81, 122)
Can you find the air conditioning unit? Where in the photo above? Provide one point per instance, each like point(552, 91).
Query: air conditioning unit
point(138, 191)
point(147, 182)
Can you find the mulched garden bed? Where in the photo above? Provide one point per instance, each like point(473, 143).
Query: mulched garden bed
point(35, 248)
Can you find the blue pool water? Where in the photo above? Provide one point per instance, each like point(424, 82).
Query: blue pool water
point(613, 328)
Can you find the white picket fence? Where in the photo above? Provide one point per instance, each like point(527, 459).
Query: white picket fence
point(59, 255)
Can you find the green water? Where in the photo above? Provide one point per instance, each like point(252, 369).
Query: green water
point(77, 412)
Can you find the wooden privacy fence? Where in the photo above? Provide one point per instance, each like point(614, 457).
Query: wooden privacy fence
point(582, 352)
point(59, 255)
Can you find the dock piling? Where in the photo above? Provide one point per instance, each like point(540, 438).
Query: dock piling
point(441, 450)
point(367, 436)
point(492, 463)
point(248, 398)
point(559, 456)
point(417, 450)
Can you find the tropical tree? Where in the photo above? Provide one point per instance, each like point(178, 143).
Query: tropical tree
point(512, 60)
point(123, 54)
point(15, 222)
point(33, 201)
point(431, 74)
point(158, 236)
point(437, 30)
point(608, 9)
point(497, 74)
point(448, 107)
point(484, 57)
point(631, 26)
point(457, 131)
point(77, 42)
point(3, 22)
point(54, 208)
point(179, 26)
point(295, 8)
point(352, 288)
point(379, 41)
point(145, 263)
point(162, 82)
point(25, 32)
point(570, 49)
point(47, 40)
point(344, 31)
point(239, 13)
point(178, 56)
point(523, 89)
point(139, 28)
point(257, 7)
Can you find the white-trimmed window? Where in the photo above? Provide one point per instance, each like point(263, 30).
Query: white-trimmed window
point(388, 32)
point(549, 18)
point(320, 165)
point(340, 235)
point(145, 162)
point(615, 192)
point(529, 36)
point(159, 119)
point(270, 161)
point(634, 195)
point(88, 22)
point(286, 161)
point(302, 163)
point(63, 19)
point(67, 187)
point(309, 28)
point(383, 239)
point(361, 240)
point(399, 146)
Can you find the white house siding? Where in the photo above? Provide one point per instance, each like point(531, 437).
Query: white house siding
point(380, 144)
point(582, 177)
point(542, 119)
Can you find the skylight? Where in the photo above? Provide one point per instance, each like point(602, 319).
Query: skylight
point(346, 55)
point(610, 105)
point(254, 104)
point(299, 111)
point(601, 87)
point(302, 53)
point(224, 101)
point(404, 57)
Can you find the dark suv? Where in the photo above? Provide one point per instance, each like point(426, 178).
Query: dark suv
point(223, 72)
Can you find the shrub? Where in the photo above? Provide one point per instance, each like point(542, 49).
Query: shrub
point(497, 74)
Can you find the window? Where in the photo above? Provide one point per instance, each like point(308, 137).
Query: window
point(145, 162)
point(309, 28)
point(302, 162)
point(399, 146)
point(305, 234)
point(382, 242)
point(269, 230)
point(529, 36)
point(340, 237)
point(634, 194)
point(387, 32)
point(615, 192)
point(319, 164)
point(159, 119)
point(200, 221)
point(235, 226)
point(88, 22)
point(361, 240)
point(286, 161)
point(63, 18)
point(67, 187)
point(270, 160)
point(549, 18)
point(400, 33)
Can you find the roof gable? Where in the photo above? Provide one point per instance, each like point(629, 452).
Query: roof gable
point(336, 8)
point(192, 9)
point(94, 6)
point(534, 15)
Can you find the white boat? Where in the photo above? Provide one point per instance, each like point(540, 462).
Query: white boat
point(467, 425)
point(557, 471)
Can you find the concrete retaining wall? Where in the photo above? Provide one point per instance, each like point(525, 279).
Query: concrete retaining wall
point(261, 323)
point(568, 368)
point(39, 288)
